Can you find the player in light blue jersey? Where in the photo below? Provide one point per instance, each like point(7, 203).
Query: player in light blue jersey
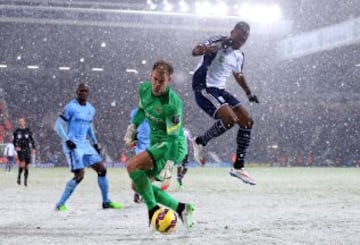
point(141, 143)
point(142, 134)
point(75, 127)
point(221, 58)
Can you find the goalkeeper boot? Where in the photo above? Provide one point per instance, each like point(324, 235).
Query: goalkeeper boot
point(185, 212)
point(114, 205)
point(198, 152)
point(61, 207)
point(243, 175)
point(151, 213)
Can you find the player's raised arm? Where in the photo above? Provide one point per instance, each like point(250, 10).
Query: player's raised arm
point(211, 45)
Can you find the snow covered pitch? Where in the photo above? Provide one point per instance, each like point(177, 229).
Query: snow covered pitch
point(287, 206)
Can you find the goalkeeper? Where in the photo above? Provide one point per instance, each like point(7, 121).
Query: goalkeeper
point(162, 107)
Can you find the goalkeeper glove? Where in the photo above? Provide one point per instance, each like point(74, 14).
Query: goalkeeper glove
point(253, 98)
point(129, 138)
point(71, 145)
point(97, 148)
point(166, 172)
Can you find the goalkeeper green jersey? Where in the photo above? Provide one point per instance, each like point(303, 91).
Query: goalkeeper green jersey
point(165, 116)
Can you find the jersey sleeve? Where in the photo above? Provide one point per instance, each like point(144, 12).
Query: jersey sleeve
point(138, 117)
point(173, 117)
point(62, 122)
point(133, 113)
point(67, 113)
point(59, 128)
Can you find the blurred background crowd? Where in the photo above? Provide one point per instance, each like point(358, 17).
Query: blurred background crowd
point(309, 93)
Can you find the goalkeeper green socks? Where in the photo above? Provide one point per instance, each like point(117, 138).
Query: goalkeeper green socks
point(164, 198)
point(144, 187)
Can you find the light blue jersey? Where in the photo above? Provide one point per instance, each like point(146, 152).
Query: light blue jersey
point(76, 124)
point(143, 134)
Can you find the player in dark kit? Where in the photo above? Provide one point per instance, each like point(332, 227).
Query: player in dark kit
point(221, 57)
point(24, 145)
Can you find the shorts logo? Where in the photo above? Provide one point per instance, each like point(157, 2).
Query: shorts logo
point(221, 99)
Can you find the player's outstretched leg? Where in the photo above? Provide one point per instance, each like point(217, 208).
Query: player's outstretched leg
point(69, 189)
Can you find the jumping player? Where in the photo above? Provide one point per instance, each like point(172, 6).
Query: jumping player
point(163, 109)
point(78, 118)
point(221, 58)
point(25, 146)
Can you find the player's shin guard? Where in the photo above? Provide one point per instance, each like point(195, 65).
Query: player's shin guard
point(243, 141)
point(164, 198)
point(104, 188)
point(217, 129)
point(144, 187)
point(69, 188)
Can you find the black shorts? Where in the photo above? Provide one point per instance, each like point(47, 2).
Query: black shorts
point(24, 156)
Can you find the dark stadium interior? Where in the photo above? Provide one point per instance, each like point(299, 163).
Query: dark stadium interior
point(309, 103)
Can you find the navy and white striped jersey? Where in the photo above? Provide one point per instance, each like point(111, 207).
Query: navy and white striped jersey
point(215, 68)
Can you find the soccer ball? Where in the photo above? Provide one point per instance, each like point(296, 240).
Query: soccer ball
point(164, 220)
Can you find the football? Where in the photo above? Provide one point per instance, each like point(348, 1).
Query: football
point(164, 220)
